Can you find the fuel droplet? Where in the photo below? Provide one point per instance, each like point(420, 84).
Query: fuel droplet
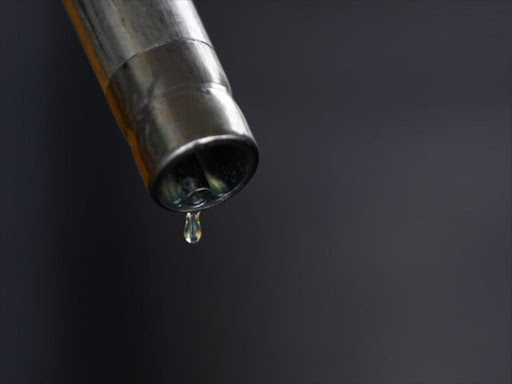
point(192, 231)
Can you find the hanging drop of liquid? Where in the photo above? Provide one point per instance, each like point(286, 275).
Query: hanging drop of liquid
point(192, 230)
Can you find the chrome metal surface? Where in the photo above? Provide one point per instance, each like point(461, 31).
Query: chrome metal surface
point(116, 30)
point(170, 96)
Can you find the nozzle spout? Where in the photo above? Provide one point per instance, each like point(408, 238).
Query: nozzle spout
point(170, 96)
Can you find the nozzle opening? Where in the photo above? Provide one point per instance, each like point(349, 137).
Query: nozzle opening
point(205, 175)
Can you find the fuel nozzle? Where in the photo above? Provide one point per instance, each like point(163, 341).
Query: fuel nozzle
point(171, 98)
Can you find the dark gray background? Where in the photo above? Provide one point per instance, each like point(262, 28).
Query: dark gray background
point(373, 245)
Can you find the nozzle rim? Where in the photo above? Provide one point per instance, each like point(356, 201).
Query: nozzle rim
point(245, 142)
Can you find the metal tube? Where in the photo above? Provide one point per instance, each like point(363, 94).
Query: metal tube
point(170, 96)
